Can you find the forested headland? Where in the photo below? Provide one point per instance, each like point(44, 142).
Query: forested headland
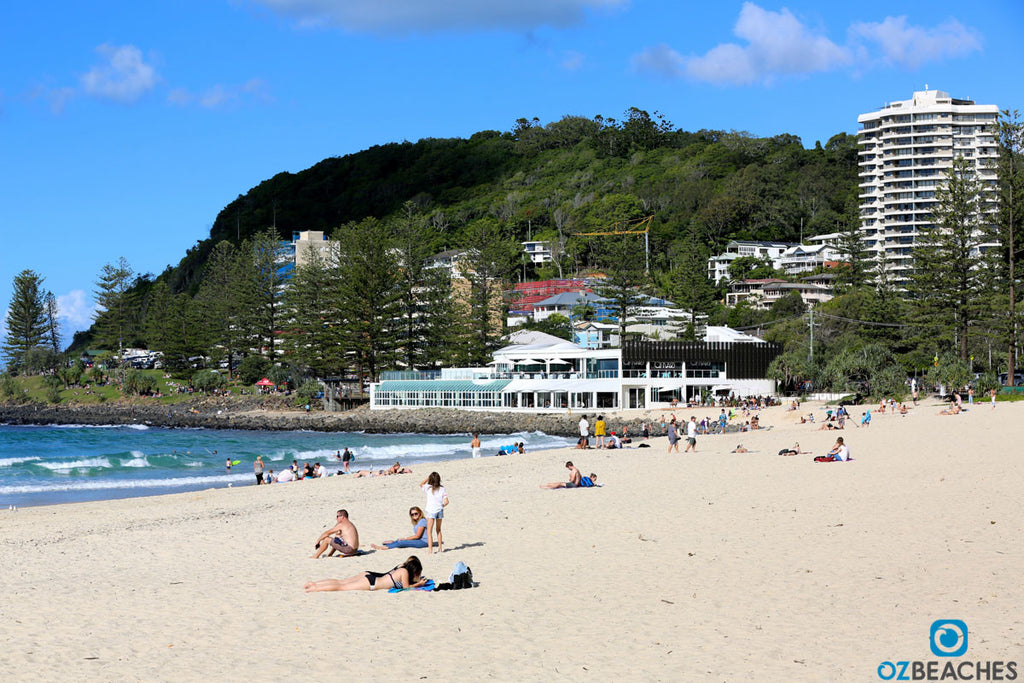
point(390, 207)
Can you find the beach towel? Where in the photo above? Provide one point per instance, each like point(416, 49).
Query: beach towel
point(428, 586)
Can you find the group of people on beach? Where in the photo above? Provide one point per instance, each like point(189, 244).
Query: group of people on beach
point(293, 472)
point(605, 437)
point(343, 539)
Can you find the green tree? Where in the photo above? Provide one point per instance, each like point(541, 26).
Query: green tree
point(311, 335)
point(791, 369)
point(948, 282)
point(1009, 168)
point(425, 301)
point(369, 292)
point(556, 325)
point(219, 304)
point(871, 370)
point(208, 380)
point(687, 283)
point(252, 369)
point(172, 327)
point(622, 258)
point(116, 305)
point(490, 258)
point(26, 319)
point(261, 280)
point(752, 267)
point(852, 274)
point(51, 336)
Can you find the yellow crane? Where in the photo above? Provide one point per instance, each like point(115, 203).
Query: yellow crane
point(636, 226)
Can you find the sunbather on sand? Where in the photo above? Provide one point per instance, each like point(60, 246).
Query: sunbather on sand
point(409, 574)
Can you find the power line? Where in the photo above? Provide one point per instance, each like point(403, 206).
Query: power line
point(862, 322)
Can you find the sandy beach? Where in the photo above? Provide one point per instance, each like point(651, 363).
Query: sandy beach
point(706, 566)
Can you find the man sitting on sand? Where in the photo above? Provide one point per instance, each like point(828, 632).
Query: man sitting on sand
point(346, 542)
point(574, 479)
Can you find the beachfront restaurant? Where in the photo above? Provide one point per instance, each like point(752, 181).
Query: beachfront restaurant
point(543, 373)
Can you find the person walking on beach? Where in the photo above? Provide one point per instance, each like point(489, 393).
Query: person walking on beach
point(992, 396)
point(257, 468)
point(599, 431)
point(691, 436)
point(345, 542)
point(347, 458)
point(437, 500)
point(673, 437)
point(584, 432)
point(475, 445)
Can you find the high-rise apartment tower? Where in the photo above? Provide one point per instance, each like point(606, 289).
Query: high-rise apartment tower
point(905, 149)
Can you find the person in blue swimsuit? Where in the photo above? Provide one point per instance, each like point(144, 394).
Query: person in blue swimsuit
point(419, 533)
point(409, 574)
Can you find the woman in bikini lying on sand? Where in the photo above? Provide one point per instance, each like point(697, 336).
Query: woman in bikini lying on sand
point(409, 574)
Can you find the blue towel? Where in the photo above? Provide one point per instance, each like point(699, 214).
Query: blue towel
point(428, 586)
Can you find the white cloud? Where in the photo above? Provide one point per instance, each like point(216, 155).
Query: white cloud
point(75, 309)
point(777, 44)
point(422, 16)
point(124, 76)
point(660, 60)
point(912, 46)
point(218, 96)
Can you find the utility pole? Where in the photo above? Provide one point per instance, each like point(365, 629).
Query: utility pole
point(811, 325)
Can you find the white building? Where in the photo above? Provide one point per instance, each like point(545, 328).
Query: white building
point(539, 252)
point(307, 242)
point(804, 258)
point(718, 266)
point(905, 149)
point(541, 373)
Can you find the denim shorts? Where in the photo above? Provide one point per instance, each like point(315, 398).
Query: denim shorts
point(435, 515)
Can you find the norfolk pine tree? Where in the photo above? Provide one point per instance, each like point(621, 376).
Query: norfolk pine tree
point(311, 334)
point(219, 304)
point(368, 297)
point(949, 282)
point(625, 277)
point(26, 319)
point(113, 295)
point(1009, 167)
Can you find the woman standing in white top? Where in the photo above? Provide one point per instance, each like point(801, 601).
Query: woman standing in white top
point(437, 499)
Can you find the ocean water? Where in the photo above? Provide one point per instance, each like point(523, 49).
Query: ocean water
point(46, 465)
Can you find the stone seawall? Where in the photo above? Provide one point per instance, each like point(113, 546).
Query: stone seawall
point(214, 414)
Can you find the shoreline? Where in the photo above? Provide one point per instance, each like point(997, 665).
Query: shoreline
point(221, 414)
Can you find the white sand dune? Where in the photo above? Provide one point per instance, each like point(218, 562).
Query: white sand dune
point(706, 566)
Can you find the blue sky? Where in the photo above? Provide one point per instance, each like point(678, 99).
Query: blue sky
point(126, 126)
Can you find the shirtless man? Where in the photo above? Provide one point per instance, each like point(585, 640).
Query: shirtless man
point(574, 479)
point(475, 445)
point(346, 542)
